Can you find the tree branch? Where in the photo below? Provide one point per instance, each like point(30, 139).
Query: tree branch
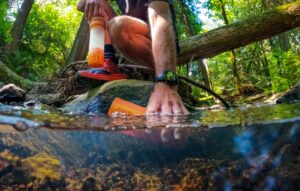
point(242, 33)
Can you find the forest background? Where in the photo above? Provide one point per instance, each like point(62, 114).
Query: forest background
point(40, 42)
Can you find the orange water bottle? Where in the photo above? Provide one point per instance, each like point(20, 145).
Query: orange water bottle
point(96, 43)
point(123, 106)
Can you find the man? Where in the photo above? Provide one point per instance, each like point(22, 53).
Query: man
point(145, 35)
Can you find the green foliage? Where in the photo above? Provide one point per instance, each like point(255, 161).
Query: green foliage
point(187, 21)
point(47, 39)
point(285, 70)
point(271, 65)
point(5, 24)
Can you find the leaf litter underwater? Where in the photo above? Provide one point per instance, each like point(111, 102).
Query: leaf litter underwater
point(248, 148)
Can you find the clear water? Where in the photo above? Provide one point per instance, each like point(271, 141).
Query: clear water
point(249, 148)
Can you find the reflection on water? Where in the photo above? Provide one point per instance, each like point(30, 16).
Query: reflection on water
point(242, 149)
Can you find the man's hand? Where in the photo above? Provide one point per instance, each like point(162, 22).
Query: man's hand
point(166, 101)
point(96, 8)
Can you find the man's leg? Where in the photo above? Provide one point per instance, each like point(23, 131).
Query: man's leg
point(131, 37)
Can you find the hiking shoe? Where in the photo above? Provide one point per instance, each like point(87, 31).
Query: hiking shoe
point(97, 76)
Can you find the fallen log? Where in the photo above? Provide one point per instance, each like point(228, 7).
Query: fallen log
point(241, 33)
point(9, 76)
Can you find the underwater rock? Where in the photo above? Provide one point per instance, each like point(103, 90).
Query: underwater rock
point(117, 177)
point(5, 168)
point(43, 166)
point(11, 93)
point(15, 177)
point(37, 172)
point(191, 181)
point(99, 99)
point(169, 176)
point(12, 172)
point(142, 181)
point(291, 96)
point(91, 184)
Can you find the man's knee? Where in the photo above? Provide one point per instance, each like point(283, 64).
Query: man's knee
point(118, 28)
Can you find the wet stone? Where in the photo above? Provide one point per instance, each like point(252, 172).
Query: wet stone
point(5, 168)
point(11, 93)
point(15, 177)
point(21, 126)
point(291, 95)
point(143, 181)
point(91, 184)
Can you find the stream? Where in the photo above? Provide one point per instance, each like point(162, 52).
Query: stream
point(246, 148)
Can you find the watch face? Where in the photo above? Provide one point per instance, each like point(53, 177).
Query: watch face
point(170, 76)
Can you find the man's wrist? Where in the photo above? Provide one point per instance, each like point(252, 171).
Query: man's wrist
point(168, 77)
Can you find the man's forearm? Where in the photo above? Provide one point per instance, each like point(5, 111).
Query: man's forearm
point(163, 43)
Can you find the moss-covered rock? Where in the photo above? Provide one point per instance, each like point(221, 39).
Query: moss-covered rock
point(99, 99)
point(43, 166)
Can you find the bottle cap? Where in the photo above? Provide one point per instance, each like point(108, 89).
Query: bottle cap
point(98, 22)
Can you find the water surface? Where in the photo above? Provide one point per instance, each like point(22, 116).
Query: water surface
point(248, 148)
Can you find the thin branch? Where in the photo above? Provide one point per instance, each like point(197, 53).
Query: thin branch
point(134, 67)
point(206, 89)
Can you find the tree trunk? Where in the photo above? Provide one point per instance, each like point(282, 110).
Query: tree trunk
point(19, 25)
point(284, 42)
point(203, 70)
point(241, 33)
point(80, 44)
point(265, 62)
point(236, 77)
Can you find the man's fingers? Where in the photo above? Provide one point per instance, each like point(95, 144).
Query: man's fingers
point(153, 107)
point(102, 12)
point(178, 133)
point(165, 135)
point(91, 9)
point(166, 108)
point(177, 110)
point(165, 99)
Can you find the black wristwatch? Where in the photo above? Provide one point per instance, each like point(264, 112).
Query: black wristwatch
point(168, 77)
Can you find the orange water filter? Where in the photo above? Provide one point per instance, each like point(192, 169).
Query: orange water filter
point(96, 43)
point(122, 106)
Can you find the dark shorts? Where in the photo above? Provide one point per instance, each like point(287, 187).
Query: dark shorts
point(139, 9)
